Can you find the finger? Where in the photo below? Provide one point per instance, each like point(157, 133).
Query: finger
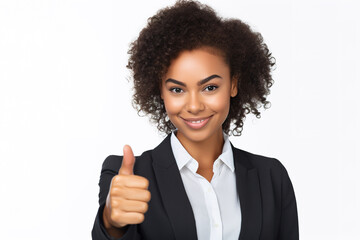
point(137, 182)
point(127, 166)
point(132, 217)
point(131, 194)
point(130, 206)
point(129, 181)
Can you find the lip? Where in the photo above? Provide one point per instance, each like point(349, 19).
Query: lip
point(196, 123)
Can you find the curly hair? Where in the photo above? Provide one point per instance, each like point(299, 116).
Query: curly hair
point(190, 25)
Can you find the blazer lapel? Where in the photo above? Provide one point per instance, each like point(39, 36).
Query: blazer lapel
point(248, 188)
point(172, 191)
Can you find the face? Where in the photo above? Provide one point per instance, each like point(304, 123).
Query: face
point(196, 91)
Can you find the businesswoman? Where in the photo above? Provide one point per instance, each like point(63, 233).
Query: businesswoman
point(197, 75)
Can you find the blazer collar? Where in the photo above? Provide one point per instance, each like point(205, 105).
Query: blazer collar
point(177, 204)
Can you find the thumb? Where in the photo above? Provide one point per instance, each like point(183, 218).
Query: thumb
point(128, 161)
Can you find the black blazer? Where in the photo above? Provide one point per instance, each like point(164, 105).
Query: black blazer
point(267, 199)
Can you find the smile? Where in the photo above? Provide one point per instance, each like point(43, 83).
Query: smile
point(196, 123)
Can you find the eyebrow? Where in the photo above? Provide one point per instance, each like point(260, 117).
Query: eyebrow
point(201, 82)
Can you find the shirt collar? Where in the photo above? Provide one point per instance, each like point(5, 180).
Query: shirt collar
point(183, 158)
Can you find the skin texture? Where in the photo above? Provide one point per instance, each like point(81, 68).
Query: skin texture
point(189, 99)
point(184, 98)
point(190, 25)
point(188, 43)
point(128, 197)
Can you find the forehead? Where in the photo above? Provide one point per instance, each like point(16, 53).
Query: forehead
point(197, 64)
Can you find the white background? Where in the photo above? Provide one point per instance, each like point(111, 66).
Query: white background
point(65, 103)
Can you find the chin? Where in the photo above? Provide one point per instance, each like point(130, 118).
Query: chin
point(197, 135)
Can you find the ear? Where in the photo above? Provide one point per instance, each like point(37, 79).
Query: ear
point(234, 86)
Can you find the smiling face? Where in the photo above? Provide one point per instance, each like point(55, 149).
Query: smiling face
point(196, 91)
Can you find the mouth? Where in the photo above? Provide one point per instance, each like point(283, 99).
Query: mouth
point(196, 123)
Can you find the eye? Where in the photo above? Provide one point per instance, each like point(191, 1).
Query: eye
point(176, 90)
point(210, 88)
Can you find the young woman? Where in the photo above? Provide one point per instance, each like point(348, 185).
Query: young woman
point(197, 76)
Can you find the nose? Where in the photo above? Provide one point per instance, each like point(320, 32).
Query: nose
point(194, 103)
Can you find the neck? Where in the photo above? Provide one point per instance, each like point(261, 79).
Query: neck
point(204, 152)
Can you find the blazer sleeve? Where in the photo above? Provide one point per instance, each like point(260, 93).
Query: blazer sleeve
point(109, 169)
point(289, 227)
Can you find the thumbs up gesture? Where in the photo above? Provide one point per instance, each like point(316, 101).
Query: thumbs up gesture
point(128, 196)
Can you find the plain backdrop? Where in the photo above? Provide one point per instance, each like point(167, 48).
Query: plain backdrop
point(65, 103)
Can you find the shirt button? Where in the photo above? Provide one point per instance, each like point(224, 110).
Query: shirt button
point(209, 189)
point(216, 225)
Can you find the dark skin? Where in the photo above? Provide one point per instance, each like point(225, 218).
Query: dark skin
point(206, 160)
point(201, 92)
point(205, 157)
point(197, 101)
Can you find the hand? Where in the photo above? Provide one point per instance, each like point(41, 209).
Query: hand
point(128, 196)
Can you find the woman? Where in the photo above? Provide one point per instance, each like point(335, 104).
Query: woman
point(197, 76)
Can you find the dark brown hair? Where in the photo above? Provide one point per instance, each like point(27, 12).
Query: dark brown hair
point(189, 25)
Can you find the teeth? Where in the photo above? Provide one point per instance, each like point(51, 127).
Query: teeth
point(197, 121)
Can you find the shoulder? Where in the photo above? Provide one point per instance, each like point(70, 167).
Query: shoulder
point(271, 172)
point(260, 162)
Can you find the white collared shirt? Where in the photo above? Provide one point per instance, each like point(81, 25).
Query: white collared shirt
point(215, 204)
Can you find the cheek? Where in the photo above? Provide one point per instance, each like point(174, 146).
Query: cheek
point(220, 103)
point(172, 105)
